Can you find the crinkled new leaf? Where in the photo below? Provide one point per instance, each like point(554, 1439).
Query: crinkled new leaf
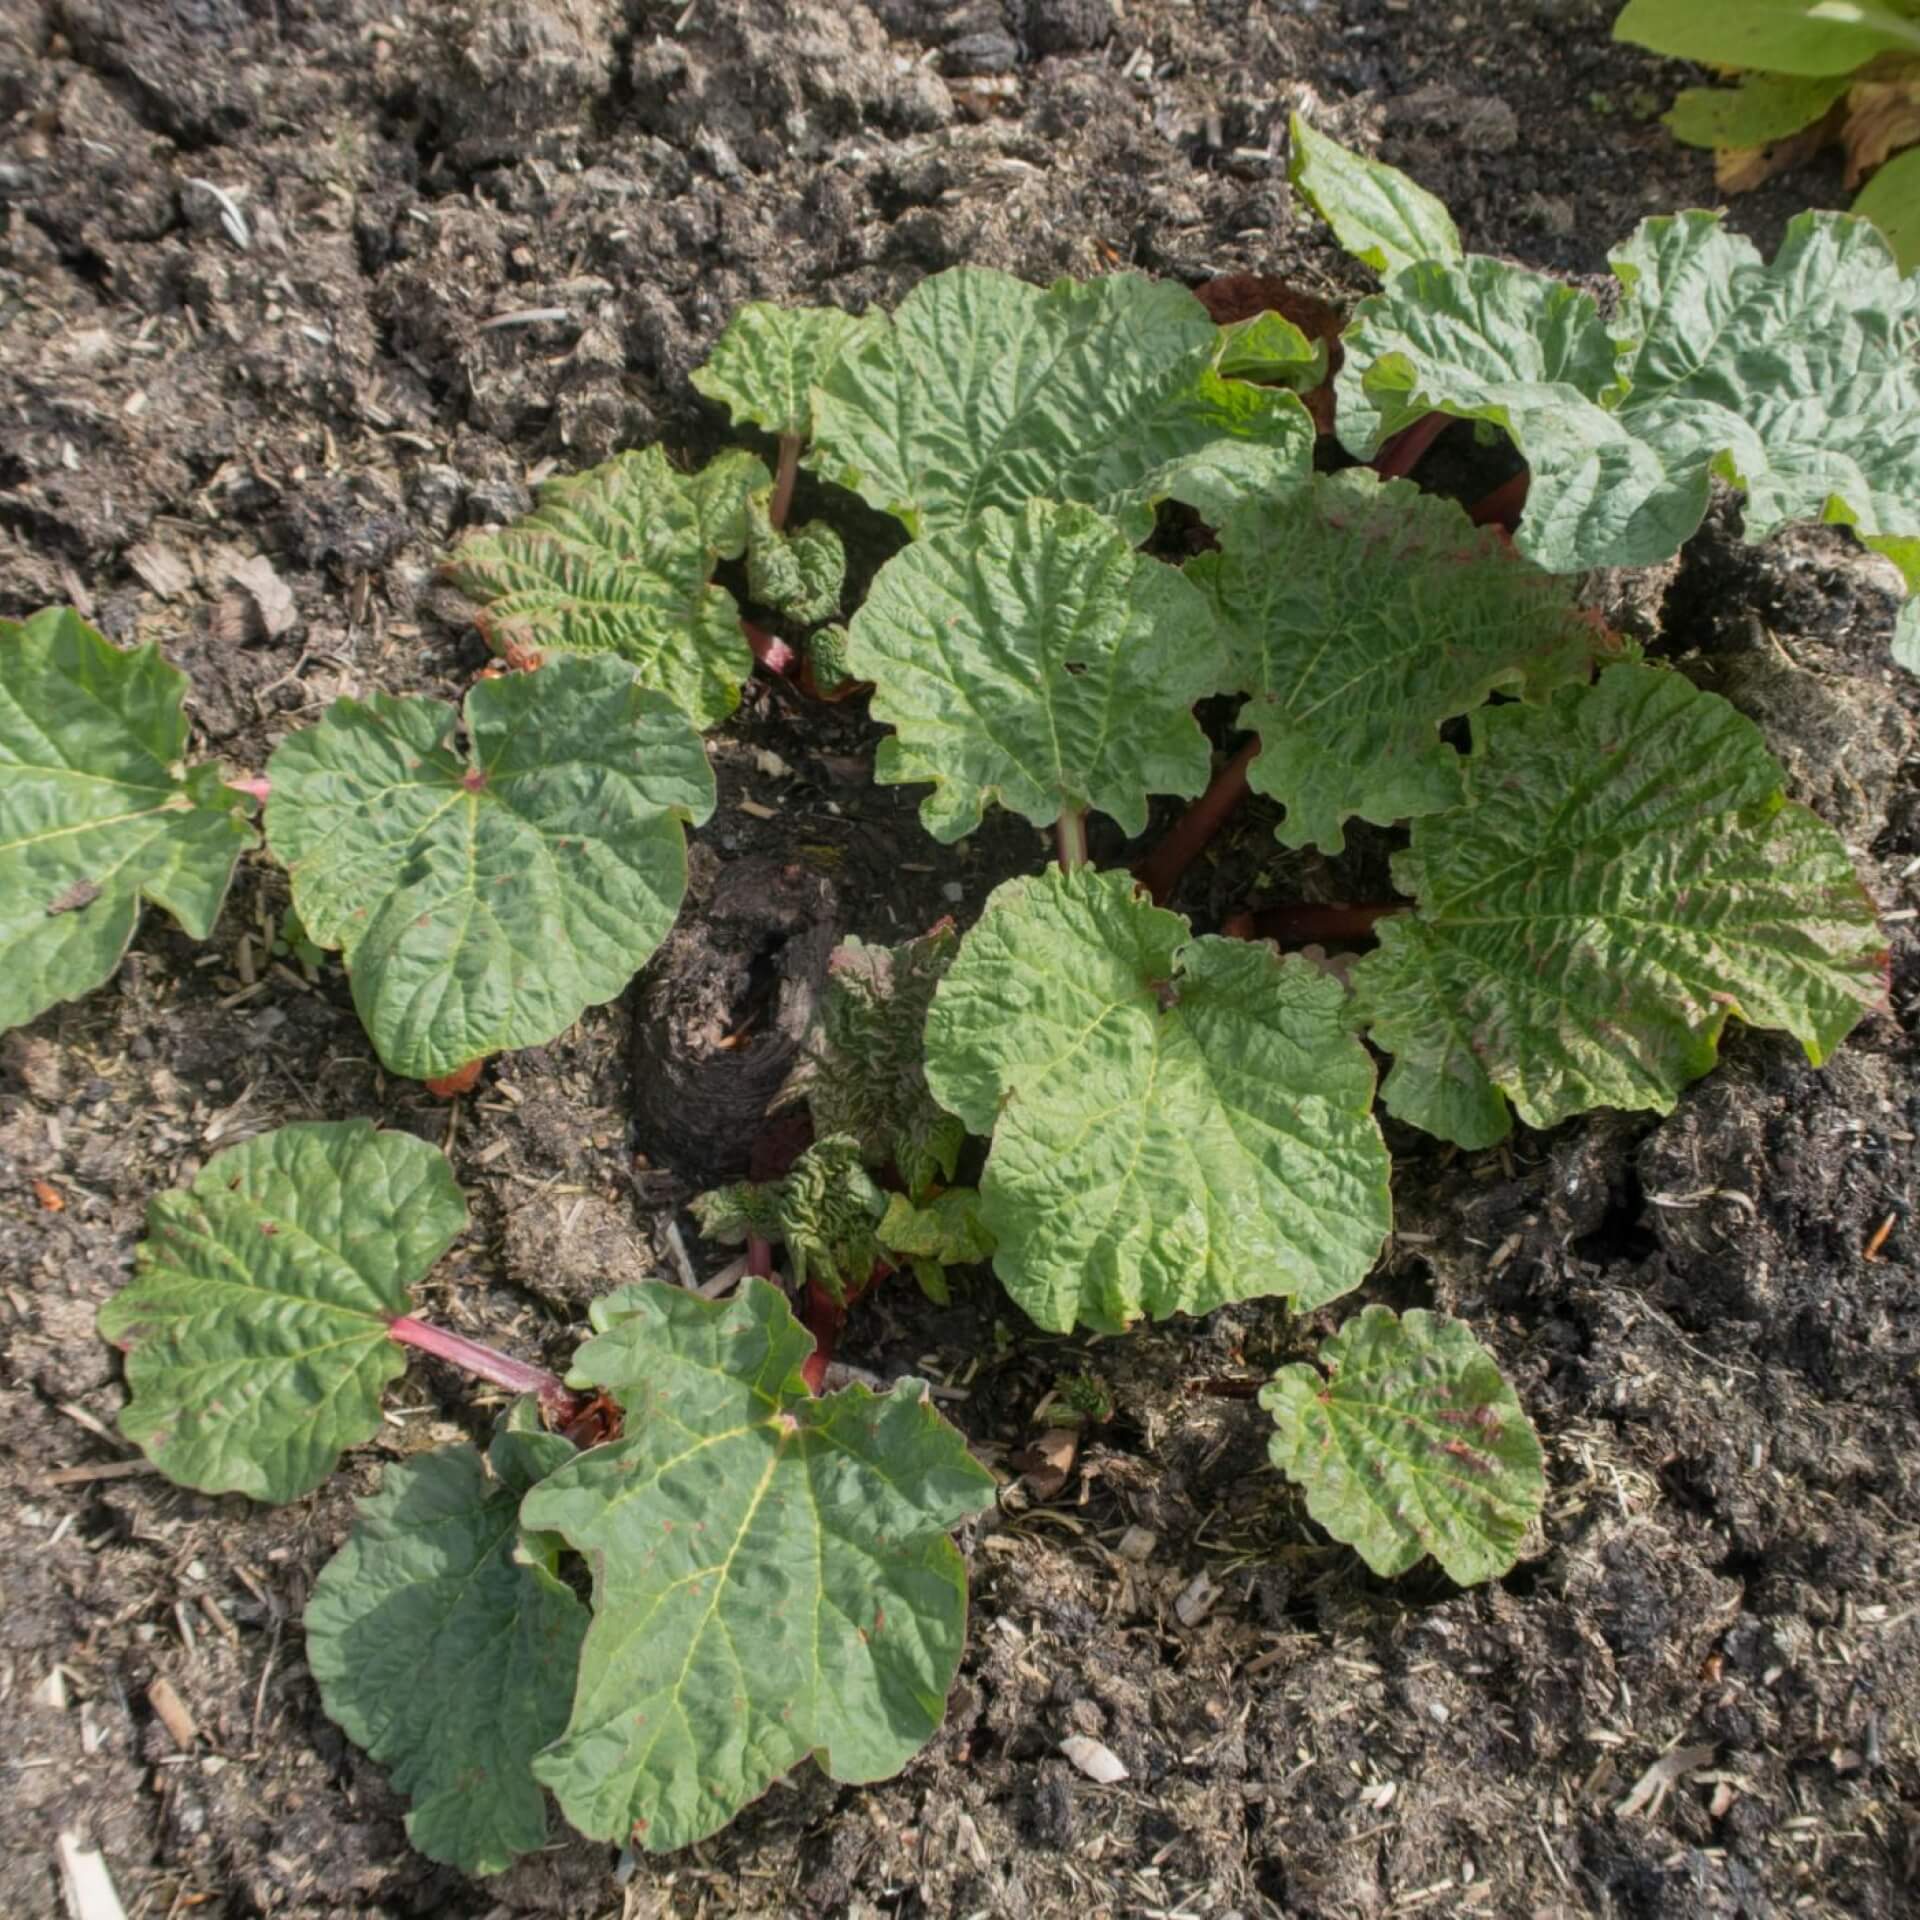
point(445, 1644)
point(1360, 614)
point(1176, 1122)
point(619, 559)
point(772, 1573)
point(982, 391)
point(97, 813)
point(1380, 216)
point(1796, 381)
point(1623, 876)
point(1037, 661)
point(1410, 1442)
point(764, 367)
point(483, 902)
point(825, 1210)
point(256, 1327)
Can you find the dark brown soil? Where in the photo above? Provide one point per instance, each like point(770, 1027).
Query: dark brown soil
point(1724, 1377)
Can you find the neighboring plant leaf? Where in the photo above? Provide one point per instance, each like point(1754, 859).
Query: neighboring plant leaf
point(256, 1324)
point(445, 1644)
point(764, 367)
point(982, 391)
point(1782, 36)
point(825, 1211)
point(1623, 875)
point(864, 1073)
point(1176, 1122)
point(1037, 661)
point(1361, 614)
point(1269, 348)
point(1375, 211)
point(772, 1575)
point(947, 1231)
point(482, 903)
point(1796, 381)
point(619, 560)
point(1891, 200)
point(798, 573)
point(1409, 1443)
point(1762, 108)
point(97, 812)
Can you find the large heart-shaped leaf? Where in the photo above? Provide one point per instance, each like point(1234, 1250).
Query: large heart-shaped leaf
point(1783, 36)
point(1409, 1443)
point(97, 813)
point(620, 560)
point(1378, 214)
point(1361, 614)
point(1176, 1123)
point(982, 391)
point(256, 1327)
point(1763, 107)
point(1797, 381)
point(772, 1575)
point(1035, 659)
point(484, 901)
point(1623, 875)
point(445, 1644)
point(764, 367)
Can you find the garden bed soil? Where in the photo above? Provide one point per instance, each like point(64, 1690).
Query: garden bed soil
point(250, 254)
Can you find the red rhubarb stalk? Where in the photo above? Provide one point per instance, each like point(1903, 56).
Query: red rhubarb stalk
point(1400, 454)
point(1304, 921)
point(772, 652)
point(784, 476)
point(1501, 507)
point(1160, 871)
point(556, 1401)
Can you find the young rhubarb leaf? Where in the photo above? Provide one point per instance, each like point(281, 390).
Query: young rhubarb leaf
point(1623, 875)
point(1035, 659)
point(1380, 216)
point(1409, 1443)
point(799, 573)
point(1361, 614)
point(1783, 36)
point(445, 1644)
point(945, 1231)
point(620, 560)
point(764, 367)
point(483, 901)
point(256, 1324)
point(825, 1211)
point(1796, 381)
point(865, 1074)
point(1269, 348)
point(1176, 1123)
point(982, 391)
point(772, 1575)
point(98, 812)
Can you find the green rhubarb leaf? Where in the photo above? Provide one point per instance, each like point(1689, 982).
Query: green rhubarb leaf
point(445, 1644)
point(1623, 876)
point(1269, 348)
point(948, 1230)
point(1380, 216)
point(483, 901)
point(982, 391)
point(1762, 108)
point(1176, 1122)
point(256, 1327)
point(825, 1211)
point(799, 573)
point(1798, 382)
point(764, 367)
point(1036, 660)
point(1361, 614)
point(1783, 36)
point(1891, 200)
point(772, 1575)
point(98, 813)
point(1409, 1443)
point(620, 560)
point(865, 1073)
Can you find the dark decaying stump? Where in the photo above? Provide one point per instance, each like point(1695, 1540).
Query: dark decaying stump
point(724, 1007)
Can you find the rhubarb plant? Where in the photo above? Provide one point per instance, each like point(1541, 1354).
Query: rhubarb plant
point(787, 1554)
point(99, 810)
